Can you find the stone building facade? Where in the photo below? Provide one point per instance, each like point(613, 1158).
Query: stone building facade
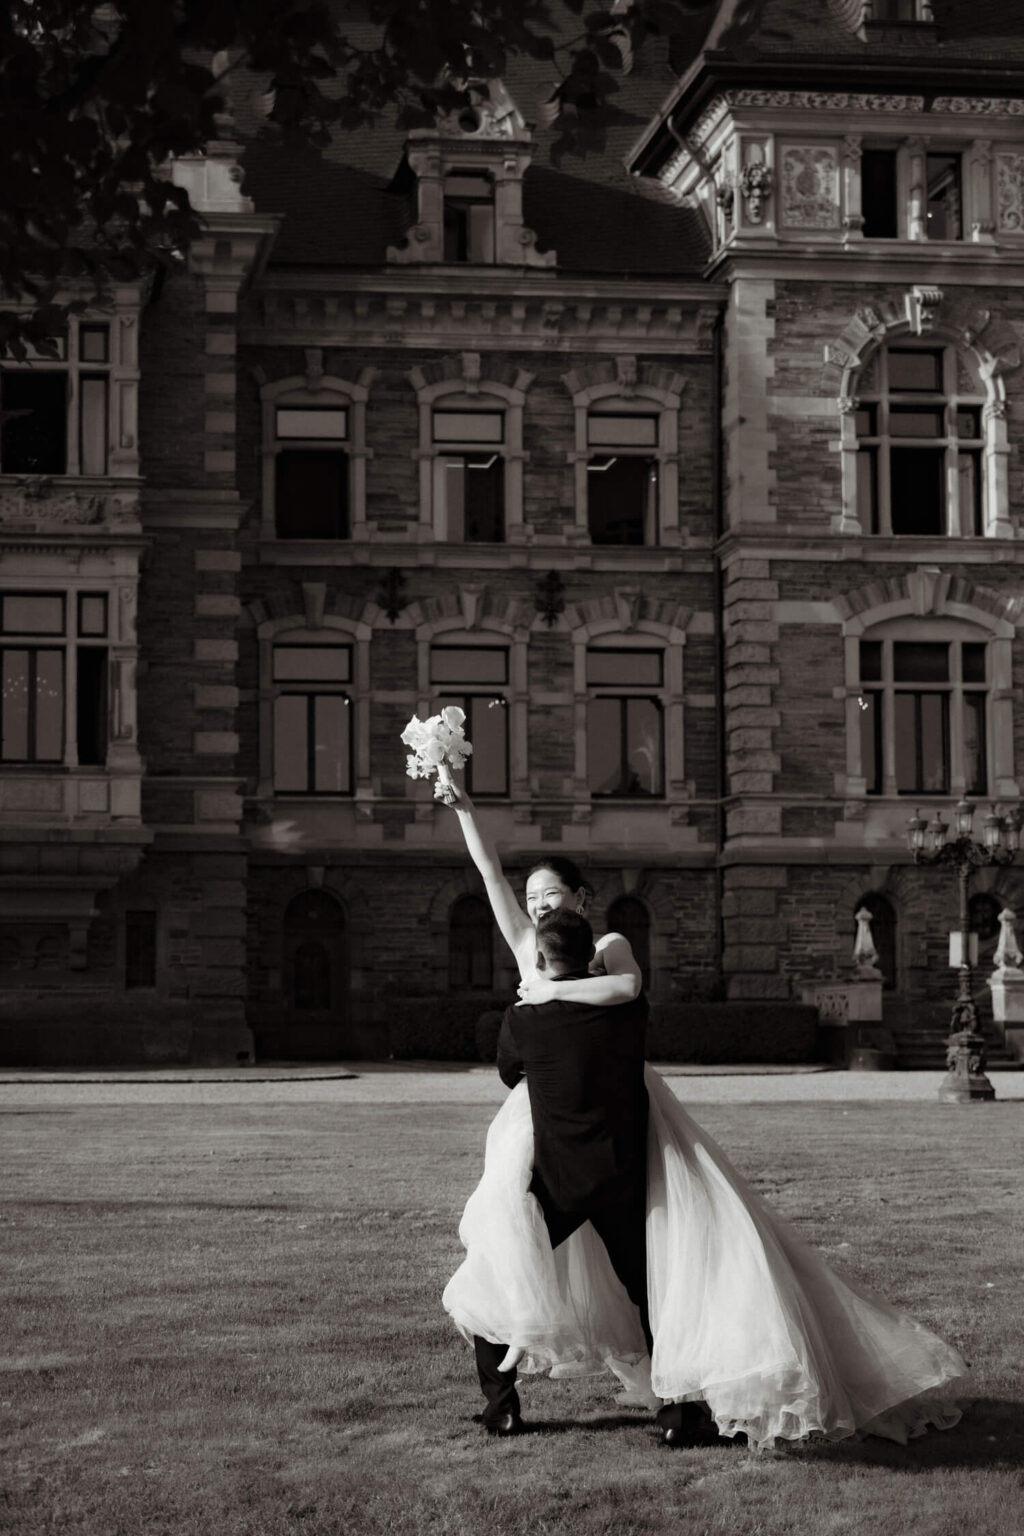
point(693, 476)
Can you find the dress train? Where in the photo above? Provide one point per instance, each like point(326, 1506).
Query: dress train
point(745, 1314)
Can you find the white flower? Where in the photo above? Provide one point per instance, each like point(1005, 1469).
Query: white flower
point(436, 741)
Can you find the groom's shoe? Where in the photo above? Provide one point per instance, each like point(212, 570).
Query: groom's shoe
point(687, 1424)
point(509, 1424)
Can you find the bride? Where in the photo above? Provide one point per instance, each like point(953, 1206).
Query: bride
point(746, 1316)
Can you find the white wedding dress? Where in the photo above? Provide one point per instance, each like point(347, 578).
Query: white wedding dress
point(745, 1315)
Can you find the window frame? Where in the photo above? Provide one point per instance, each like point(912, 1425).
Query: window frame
point(119, 373)
point(901, 620)
point(314, 392)
point(312, 690)
point(644, 635)
point(869, 477)
point(328, 631)
point(953, 690)
point(68, 643)
point(629, 399)
point(463, 693)
point(623, 694)
point(470, 394)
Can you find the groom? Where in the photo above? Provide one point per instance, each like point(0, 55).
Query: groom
point(584, 1069)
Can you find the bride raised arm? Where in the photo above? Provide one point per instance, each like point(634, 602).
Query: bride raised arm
point(552, 883)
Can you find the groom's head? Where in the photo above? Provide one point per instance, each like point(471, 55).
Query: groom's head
point(565, 943)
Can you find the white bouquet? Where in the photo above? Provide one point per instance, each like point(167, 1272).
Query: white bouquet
point(437, 743)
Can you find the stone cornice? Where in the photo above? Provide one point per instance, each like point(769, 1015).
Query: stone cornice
point(992, 265)
point(823, 548)
point(328, 310)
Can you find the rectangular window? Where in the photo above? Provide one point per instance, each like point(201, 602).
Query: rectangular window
point(91, 704)
point(32, 613)
point(879, 194)
point(92, 613)
point(867, 488)
point(920, 661)
point(916, 421)
point(917, 491)
point(944, 219)
point(921, 724)
point(870, 707)
point(459, 664)
point(311, 494)
point(312, 664)
point(968, 466)
point(140, 949)
point(622, 431)
point(624, 748)
point(312, 422)
point(93, 424)
point(32, 705)
point(487, 729)
point(469, 426)
point(312, 744)
point(34, 417)
point(975, 753)
point(468, 218)
point(914, 371)
point(617, 669)
point(94, 343)
point(474, 492)
point(622, 500)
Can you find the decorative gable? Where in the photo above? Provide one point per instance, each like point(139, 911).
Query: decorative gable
point(469, 186)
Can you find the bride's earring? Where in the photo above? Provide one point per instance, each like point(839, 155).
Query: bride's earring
point(579, 909)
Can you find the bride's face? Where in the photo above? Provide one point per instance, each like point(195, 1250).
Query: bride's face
point(546, 892)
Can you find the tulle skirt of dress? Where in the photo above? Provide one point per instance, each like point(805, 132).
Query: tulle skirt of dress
point(745, 1315)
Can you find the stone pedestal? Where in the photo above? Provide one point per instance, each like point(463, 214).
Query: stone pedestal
point(850, 1017)
point(1007, 986)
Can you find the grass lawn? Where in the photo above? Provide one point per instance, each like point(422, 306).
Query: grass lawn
point(220, 1320)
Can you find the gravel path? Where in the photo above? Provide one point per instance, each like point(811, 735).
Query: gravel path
point(430, 1083)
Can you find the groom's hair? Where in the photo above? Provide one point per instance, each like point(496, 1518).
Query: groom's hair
point(566, 940)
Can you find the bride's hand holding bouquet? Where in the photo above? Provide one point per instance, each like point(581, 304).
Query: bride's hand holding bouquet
point(437, 745)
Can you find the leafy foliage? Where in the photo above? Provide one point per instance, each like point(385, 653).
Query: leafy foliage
point(96, 98)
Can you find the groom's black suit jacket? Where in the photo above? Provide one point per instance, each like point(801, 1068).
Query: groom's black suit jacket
point(584, 1069)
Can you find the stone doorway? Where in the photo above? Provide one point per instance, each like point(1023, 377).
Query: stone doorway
point(315, 980)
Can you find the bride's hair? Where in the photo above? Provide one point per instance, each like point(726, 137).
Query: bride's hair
point(568, 872)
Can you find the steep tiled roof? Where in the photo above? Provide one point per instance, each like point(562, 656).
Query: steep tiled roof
point(343, 208)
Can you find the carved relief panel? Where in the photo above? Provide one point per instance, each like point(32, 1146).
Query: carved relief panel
point(809, 186)
point(1010, 193)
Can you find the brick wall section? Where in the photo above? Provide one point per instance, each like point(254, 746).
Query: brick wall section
point(811, 735)
point(751, 676)
point(172, 404)
point(756, 930)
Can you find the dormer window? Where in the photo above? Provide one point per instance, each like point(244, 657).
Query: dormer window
point(468, 174)
point(468, 217)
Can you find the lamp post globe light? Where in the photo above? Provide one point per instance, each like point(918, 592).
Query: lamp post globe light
point(930, 843)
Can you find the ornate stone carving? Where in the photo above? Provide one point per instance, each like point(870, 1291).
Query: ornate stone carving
point(979, 106)
point(846, 405)
point(756, 186)
point(921, 304)
point(1010, 193)
point(27, 506)
point(626, 373)
point(809, 187)
point(865, 955)
point(1008, 955)
point(314, 368)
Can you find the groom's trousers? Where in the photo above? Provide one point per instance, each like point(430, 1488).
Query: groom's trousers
point(620, 1220)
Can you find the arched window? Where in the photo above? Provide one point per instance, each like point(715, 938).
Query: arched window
point(920, 443)
point(883, 932)
point(470, 946)
point(983, 911)
point(314, 457)
point(471, 456)
point(628, 915)
point(626, 456)
point(923, 706)
point(314, 927)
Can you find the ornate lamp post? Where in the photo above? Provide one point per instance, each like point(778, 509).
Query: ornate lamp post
point(965, 1051)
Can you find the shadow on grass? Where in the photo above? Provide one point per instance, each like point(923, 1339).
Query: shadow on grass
point(991, 1434)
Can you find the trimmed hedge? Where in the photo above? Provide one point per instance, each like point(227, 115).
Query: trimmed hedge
point(439, 1029)
point(732, 1033)
point(465, 1029)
